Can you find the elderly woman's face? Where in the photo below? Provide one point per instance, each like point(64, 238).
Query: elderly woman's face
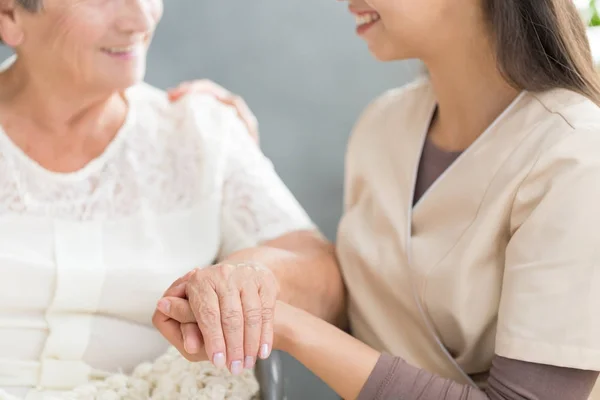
point(101, 43)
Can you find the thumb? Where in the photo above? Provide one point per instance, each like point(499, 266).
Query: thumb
point(176, 308)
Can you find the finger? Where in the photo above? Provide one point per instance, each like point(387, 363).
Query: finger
point(199, 86)
point(171, 331)
point(175, 94)
point(192, 338)
point(177, 308)
point(205, 306)
point(268, 298)
point(177, 288)
point(232, 320)
point(252, 308)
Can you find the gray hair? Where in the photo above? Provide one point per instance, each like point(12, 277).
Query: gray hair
point(30, 5)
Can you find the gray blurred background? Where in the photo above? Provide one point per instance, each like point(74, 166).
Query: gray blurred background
point(305, 75)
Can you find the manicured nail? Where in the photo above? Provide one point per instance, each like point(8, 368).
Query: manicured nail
point(164, 306)
point(248, 362)
point(264, 351)
point(190, 345)
point(219, 360)
point(236, 367)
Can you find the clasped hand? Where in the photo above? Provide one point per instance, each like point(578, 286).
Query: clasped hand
point(223, 313)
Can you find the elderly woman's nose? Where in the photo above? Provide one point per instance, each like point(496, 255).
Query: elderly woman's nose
point(138, 16)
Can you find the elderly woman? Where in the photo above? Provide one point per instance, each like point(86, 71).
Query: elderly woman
point(110, 192)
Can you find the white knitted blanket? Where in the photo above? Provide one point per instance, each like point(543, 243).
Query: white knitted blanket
point(170, 377)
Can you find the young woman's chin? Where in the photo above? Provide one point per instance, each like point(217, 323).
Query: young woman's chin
point(383, 49)
point(385, 53)
point(383, 56)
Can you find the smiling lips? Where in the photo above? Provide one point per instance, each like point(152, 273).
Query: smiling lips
point(120, 50)
point(127, 52)
point(365, 20)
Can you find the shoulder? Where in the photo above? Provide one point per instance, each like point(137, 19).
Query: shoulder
point(571, 124)
point(567, 166)
point(573, 110)
point(202, 107)
point(200, 115)
point(397, 112)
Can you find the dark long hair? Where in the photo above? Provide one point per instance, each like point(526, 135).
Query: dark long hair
point(542, 45)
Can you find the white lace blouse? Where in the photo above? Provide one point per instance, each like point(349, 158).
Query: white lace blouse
point(85, 256)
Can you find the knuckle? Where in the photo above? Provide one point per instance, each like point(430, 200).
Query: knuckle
point(235, 351)
point(253, 317)
point(209, 316)
point(271, 281)
point(200, 282)
point(196, 278)
point(267, 314)
point(270, 290)
point(216, 341)
point(224, 270)
point(232, 321)
point(266, 274)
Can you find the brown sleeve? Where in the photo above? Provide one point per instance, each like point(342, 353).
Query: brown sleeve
point(394, 379)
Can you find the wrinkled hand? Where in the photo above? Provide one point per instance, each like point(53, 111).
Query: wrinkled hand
point(224, 96)
point(233, 307)
point(286, 320)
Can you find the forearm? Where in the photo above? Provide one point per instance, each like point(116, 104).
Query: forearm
point(341, 361)
point(307, 271)
point(356, 371)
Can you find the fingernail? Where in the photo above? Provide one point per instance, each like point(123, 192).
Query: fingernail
point(264, 351)
point(236, 367)
point(190, 345)
point(248, 362)
point(164, 306)
point(219, 360)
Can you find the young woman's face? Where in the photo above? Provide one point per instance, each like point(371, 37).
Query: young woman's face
point(403, 29)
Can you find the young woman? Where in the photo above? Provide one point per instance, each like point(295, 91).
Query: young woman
point(469, 244)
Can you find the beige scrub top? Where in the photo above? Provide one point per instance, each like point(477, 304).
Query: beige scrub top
point(502, 252)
